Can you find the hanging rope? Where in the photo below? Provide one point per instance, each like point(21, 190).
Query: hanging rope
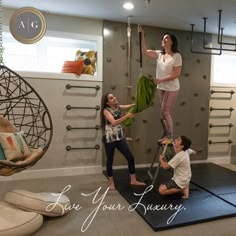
point(129, 57)
point(140, 52)
point(145, 91)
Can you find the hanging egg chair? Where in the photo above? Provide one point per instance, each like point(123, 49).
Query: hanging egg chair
point(22, 110)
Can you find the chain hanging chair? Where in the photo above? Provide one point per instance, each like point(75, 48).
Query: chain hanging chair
point(22, 109)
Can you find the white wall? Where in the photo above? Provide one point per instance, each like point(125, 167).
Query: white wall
point(222, 152)
point(223, 80)
point(57, 161)
point(64, 23)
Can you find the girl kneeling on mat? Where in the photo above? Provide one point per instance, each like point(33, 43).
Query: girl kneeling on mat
point(111, 119)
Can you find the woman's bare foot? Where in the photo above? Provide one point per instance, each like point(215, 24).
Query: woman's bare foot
point(165, 141)
point(111, 184)
point(112, 187)
point(133, 180)
point(185, 192)
point(137, 183)
point(162, 140)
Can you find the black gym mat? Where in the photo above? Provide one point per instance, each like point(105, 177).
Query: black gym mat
point(218, 180)
point(172, 211)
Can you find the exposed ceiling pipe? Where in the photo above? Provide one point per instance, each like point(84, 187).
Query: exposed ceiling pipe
point(219, 40)
point(201, 52)
point(220, 33)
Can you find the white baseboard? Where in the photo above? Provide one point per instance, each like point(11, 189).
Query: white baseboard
point(50, 173)
point(216, 160)
point(73, 171)
point(136, 166)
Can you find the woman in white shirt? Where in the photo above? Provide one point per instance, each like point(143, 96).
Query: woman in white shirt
point(168, 69)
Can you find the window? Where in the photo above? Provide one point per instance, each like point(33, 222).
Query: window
point(49, 54)
point(223, 70)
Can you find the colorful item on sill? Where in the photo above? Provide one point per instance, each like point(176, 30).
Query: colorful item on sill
point(75, 67)
point(89, 60)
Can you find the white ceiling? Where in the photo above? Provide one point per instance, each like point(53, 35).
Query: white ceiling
point(173, 14)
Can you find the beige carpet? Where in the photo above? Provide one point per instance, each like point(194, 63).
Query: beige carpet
point(98, 213)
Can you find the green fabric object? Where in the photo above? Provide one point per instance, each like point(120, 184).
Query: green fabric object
point(144, 97)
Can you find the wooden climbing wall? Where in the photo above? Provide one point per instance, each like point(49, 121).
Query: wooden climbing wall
point(191, 112)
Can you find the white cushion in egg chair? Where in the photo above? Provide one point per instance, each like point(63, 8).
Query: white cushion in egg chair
point(45, 203)
point(14, 221)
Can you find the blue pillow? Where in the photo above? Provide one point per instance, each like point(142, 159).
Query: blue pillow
point(2, 154)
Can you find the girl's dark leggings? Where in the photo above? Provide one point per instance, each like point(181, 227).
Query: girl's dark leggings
point(123, 147)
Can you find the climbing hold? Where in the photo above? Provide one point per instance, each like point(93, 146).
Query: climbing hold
point(199, 150)
point(148, 150)
point(108, 59)
point(177, 123)
point(137, 139)
point(113, 87)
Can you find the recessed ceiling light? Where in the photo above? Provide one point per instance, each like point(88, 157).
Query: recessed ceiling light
point(128, 5)
point(106, 32)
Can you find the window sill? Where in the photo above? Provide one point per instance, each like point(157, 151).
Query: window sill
point(226, 85)
point(58, 76)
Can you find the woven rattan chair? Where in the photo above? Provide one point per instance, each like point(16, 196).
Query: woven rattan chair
point(22, 109)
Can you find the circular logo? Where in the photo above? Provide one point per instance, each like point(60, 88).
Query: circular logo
point(28, 25)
